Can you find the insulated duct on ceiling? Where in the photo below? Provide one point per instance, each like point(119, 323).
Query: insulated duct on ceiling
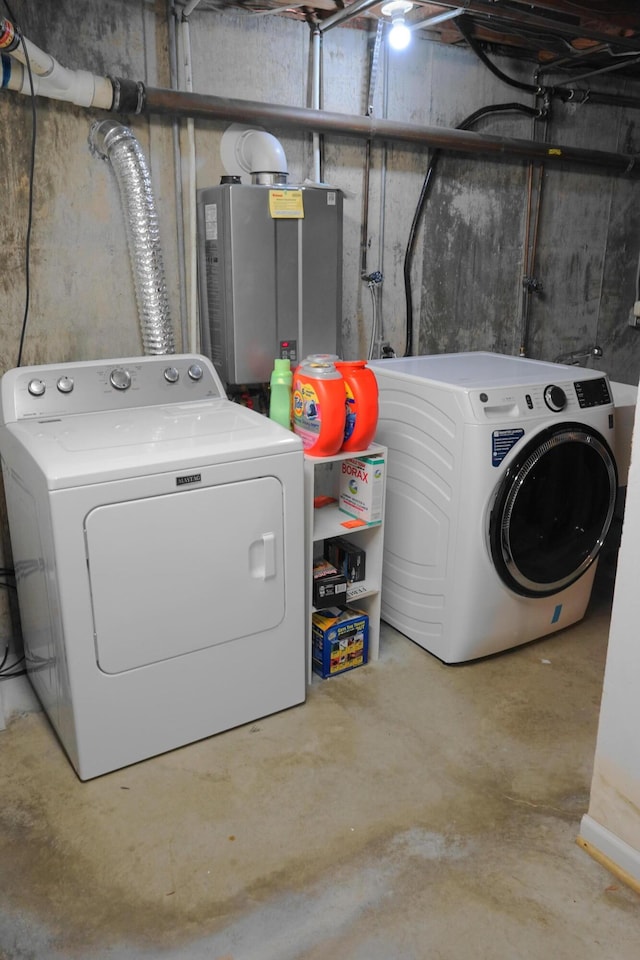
point(114, 142)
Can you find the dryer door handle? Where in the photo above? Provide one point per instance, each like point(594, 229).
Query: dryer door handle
point(262, 557)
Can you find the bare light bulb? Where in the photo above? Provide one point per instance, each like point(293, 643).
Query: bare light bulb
point(399, 35)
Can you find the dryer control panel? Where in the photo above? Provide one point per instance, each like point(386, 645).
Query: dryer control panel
point(56, 390)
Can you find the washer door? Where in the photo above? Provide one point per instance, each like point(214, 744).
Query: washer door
point(553, 510)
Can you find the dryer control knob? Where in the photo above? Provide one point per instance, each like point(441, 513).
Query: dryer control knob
point(195, 371)
point(36, 388)
point(120, 378)
point(555, 398)
point(65, 384)
point(171, 375)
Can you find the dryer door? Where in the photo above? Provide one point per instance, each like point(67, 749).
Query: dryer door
point(176, 573)
point(553, 510)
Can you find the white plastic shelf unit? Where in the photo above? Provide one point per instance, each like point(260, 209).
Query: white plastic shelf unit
point(322, 478)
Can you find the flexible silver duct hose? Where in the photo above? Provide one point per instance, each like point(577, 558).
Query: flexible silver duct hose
point(115, 142)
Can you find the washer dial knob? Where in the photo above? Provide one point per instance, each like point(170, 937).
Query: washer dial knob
point(120, 378)
point(171, 375)
point(36, 388)
point(555, 398)
point(195, 371)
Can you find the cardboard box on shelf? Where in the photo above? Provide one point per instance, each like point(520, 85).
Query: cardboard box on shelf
point(340, 640)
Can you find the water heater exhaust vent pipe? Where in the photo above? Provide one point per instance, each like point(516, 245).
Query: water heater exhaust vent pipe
point(253, 150)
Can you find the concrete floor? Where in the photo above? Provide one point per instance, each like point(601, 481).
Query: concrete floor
point(408, 810)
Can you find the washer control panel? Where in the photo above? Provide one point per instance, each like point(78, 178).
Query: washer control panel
point(526, 402)
point(56, 390)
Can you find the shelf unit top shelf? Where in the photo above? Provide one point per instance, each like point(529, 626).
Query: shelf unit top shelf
point(373, 448)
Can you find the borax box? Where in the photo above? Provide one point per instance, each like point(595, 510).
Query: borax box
point(362, 487)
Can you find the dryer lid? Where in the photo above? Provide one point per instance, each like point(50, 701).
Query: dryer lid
point(116, 444)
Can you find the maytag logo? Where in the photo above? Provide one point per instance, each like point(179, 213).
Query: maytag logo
point(191, 478)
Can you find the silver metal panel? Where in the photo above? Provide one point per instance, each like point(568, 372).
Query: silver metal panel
point(266, 281)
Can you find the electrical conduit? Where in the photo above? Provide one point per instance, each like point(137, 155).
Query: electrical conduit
point(177, 175)
point(316, 47)
point(192, 256)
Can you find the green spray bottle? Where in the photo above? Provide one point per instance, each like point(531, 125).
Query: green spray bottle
point(280, 397)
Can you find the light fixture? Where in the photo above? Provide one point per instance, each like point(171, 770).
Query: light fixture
point(400, 34)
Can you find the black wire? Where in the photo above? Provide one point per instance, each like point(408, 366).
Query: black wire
point(464, 26)
point(12, 665)
point(426, 187)
point(408, 257)
point(565, 94)
point(587, 8)
point(5, 672)
point(10, 676)
point(4, 572)
point(27, 251)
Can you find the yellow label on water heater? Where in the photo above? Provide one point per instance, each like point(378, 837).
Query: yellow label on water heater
point(286, 204)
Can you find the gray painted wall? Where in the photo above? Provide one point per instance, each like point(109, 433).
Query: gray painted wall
point(467, 270)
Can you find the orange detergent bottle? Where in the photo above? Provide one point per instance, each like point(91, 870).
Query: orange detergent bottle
point(318, 409)
point(361, 414)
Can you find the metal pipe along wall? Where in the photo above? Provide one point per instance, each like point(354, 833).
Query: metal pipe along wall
point(201, 106)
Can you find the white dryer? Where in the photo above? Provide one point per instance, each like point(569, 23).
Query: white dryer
point(501, 487)
point(157, 536)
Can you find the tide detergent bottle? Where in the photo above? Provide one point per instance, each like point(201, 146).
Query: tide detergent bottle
point(318, 407)
point(361, 400)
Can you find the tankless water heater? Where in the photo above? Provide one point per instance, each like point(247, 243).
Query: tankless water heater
point(270, 274)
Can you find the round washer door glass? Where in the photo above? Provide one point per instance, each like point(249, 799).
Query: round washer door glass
point(553, 510)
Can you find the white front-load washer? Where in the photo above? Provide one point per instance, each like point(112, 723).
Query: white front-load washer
point(157, 538)
point(501, 487)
